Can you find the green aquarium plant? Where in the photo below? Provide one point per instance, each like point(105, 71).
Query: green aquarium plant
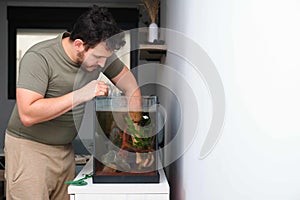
point(140, 134)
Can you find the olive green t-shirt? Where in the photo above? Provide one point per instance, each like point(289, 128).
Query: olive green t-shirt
point(47, 70)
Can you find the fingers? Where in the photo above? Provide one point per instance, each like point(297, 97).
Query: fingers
point(90, 90)
point(101, 89)
point(146, 162)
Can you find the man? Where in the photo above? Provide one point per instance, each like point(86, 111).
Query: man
point(38, 150)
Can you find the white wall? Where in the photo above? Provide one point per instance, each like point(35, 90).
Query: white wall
point(254, 45)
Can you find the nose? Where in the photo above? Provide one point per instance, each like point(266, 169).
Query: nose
point(101, 61)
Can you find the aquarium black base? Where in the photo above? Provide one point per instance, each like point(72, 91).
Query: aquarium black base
point(126, 178)
point(100, 176)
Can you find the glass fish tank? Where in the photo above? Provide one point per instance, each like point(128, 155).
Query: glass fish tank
point(125, 139)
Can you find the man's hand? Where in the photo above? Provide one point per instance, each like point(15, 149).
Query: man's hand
point(91, 90)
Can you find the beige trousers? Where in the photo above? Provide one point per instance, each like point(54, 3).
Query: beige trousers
point(36, 171)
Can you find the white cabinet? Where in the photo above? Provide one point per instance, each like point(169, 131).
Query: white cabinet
point(122, 191)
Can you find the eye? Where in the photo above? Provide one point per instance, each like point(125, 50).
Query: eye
point(98, 57)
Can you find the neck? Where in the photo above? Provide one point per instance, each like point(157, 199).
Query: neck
point(69, 49)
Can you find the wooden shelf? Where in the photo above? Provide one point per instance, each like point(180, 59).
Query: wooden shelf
point(154, 46)
point(153, 52)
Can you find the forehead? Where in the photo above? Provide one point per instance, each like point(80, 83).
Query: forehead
point(101, 50)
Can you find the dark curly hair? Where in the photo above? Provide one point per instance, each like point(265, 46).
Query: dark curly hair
point(95, 26)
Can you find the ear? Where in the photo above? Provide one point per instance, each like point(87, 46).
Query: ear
point(79, 45)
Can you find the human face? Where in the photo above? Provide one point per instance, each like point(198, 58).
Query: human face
point(94, 57)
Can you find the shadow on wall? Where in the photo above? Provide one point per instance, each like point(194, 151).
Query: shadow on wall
point(175, 181)
point(169, 101)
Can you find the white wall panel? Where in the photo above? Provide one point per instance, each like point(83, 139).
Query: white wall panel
point(254, 45)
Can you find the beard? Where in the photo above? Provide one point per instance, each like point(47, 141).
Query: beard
point(79, 61)
point(80, 57)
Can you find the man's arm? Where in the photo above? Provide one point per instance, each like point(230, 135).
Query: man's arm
point(126, 82)
point(34, 108)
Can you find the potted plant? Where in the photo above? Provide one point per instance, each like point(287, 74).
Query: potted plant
point(152, 7)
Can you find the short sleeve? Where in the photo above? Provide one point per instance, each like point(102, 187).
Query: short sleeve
point(113, 66)
point(33, 73)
